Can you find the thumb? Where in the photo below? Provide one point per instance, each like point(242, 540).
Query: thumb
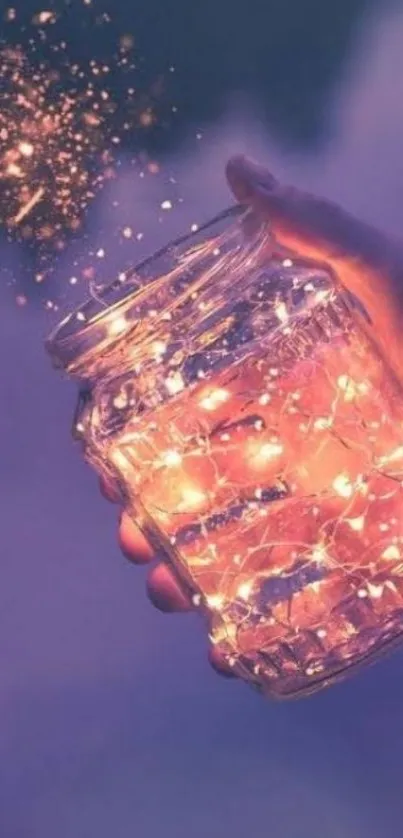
point(313, 225)
point(367, 262)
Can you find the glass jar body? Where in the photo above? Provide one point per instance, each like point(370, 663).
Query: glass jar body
point(255, 436)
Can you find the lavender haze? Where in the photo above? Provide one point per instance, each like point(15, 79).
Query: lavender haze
point(112, 722)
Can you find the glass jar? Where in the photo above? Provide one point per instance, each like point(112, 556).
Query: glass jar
point(255, 434)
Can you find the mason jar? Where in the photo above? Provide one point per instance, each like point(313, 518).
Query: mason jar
point(235, 397)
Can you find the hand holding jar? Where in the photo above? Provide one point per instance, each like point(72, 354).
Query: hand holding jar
point(274, 485)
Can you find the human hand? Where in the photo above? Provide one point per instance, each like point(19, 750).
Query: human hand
point(367, 262)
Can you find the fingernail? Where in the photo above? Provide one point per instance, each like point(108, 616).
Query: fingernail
point(245, 176)
point(259, 174)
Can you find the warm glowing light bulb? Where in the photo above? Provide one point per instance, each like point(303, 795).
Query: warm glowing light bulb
point(117, 325)
point(215, 601)
point(343, 486)
point(357, 524)
point(322, 423)
point(192, 498)
point(375, 591)
point(269, 450)
point(245, 589)
point(214, 399)
point(171, 458)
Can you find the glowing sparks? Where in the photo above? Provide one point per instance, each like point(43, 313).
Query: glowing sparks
point(26, 149)
point(25, 209)
point(215, 601)
point(281, 312)
point(174, 383)
point(44, 17)
point(52, 158)
point(393, 457)
point(268, 451)
point(319, 554)
point(192, 499)
point(61, 125)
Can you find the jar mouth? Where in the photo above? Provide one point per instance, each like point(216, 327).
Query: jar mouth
point(104, 317)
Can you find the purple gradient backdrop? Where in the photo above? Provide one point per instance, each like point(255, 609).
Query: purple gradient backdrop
point(112, 723)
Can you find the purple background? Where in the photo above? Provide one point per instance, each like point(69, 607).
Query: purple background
point(111, 722)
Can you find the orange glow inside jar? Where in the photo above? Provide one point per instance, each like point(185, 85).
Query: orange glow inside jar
point(256, 436)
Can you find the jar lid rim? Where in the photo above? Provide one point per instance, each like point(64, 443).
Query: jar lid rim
point(64, 344)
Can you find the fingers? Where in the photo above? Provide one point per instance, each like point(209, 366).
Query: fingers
point(132, 542)
point(306, 220)
point(165, 592)
point(162, 587)
point(367, 262)
point(167, 596)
